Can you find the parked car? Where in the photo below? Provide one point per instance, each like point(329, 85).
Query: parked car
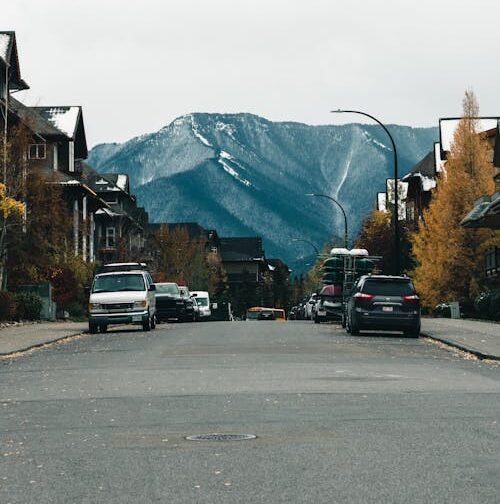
point(203, 300)
point(191, 307)
point(170, 305)
point(292, 314)
point(122, 297)
point(383, 302)
point(329, 305)
point(310, 306)
point(266, 315)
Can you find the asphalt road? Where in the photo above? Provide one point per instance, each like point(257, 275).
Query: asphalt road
point(369, 419)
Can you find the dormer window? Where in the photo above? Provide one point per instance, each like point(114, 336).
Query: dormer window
point(37, 151)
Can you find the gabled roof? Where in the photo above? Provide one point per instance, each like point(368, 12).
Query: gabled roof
point(241, 249)
point(485, 213)
point(64, 118)
point(425, 166)
point(9, 58)
point(69, 121)
point(33, 120)
point(120, 180)
point(425, 171)
point(278, 263)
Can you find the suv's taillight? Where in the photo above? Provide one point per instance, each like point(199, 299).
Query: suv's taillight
point(363, 296)
point(411, 297)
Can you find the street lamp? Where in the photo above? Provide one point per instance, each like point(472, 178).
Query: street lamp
point(396, 209)
point(341, 208)
point(307, 241)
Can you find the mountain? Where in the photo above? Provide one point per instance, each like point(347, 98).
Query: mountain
point(244, 175)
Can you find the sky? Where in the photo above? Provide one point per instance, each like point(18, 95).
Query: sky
point(135, 66)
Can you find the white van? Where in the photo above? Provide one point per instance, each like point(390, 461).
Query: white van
point(122, 297)
point(203, 301)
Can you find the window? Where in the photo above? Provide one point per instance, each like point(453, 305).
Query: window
point(37, 151)
point(110, 236)
point(118, 282)
point(111, 198)
point(380, 287)
point(71, 157)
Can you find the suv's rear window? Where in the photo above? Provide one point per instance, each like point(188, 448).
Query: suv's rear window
point(388, 288)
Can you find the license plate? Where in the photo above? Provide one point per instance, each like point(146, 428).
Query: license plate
point(322, 312)
point(387, 308)
point(136, 318)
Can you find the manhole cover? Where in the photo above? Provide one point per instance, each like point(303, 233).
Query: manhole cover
point(221, 437)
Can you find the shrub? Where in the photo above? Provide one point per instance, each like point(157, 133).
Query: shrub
point(7, 306)
point(488, 304)
point(29, 306)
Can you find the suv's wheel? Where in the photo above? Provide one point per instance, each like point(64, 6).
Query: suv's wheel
point(316, 319)
point(414, 332)
point(103, 328)
point(353, 326)
point(92, 328)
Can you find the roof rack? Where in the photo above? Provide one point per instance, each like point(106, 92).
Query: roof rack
point(116, 267)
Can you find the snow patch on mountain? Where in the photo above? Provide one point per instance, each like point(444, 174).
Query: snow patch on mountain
point(223, 159)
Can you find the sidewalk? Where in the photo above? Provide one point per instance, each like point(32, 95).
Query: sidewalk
point(479, 338)
point(20, 338)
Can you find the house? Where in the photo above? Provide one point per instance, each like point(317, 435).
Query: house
point(421, 180)
point(243, 259)
point(54, 146)
point(56, 151)
point(121, 227)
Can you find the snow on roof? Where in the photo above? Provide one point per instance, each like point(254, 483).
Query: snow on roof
point(438, 161)
point(447, 129)
point(64, 119)
point(428, 183)
point(5, 39)
point(121, 181)
point(70, 182)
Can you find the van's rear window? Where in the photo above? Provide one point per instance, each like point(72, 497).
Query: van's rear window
point(388, 288)
point(118, 283)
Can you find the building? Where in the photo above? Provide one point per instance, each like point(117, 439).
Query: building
point(121, 228)
point(243, 259)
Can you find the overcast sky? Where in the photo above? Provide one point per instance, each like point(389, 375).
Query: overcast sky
point(137, 65)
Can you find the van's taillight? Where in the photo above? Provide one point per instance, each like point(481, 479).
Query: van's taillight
point(411, 297)
point(363, 296)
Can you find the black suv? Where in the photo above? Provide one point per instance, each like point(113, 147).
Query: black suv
point(169, 302)
point(385, 303)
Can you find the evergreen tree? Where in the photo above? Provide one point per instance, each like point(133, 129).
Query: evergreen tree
point(450, 257)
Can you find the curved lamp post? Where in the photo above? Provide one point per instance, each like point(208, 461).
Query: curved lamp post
point(396, 205)
point(307, 241)
point(319, 195)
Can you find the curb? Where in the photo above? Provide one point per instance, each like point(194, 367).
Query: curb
point(459, 346)
point(40, 345)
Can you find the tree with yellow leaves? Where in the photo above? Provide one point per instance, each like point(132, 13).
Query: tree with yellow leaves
point(450, 257)
point(11, 210)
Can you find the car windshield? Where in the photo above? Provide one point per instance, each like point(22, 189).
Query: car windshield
point(252, 315)
point(116, 283)
point(202, 301)
point(388, 288)
point(168, 288)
